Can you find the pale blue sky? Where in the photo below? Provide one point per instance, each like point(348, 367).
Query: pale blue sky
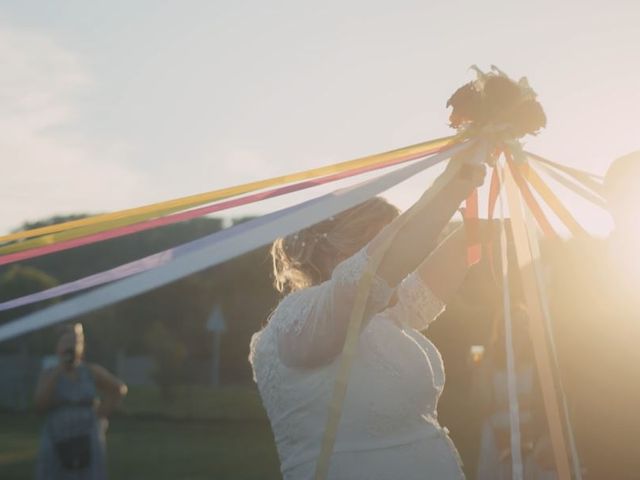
point(115, 104)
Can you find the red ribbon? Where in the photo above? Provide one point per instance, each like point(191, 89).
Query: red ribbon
point(472, 225)
point(494, 192)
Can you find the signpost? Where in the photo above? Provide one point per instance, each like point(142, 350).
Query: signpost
point(217, 326)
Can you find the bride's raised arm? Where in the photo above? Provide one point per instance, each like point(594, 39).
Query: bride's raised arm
point(423, 294)
point(419, 236)
point(313, 321)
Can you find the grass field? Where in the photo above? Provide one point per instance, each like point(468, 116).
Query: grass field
point(202, 434)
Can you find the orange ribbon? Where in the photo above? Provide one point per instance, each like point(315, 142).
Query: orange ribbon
point(551, 199)
point(528, 197)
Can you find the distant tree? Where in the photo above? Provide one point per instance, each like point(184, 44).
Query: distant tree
point(241, 286)
point(15, 282)
point(169, 354)
point(21, 280)
point(52, 221)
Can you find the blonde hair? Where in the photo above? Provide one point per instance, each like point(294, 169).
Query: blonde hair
point(299, 259)
point(71, 328)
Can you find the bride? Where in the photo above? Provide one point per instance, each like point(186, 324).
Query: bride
point(389, 427)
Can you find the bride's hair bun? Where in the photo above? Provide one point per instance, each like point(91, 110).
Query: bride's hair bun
point(300, 260)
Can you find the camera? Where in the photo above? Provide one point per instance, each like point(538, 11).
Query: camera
point(69, 355)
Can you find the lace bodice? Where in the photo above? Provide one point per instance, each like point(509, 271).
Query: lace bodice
point(396, 378)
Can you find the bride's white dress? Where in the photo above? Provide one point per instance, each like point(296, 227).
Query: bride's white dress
point(389, 427)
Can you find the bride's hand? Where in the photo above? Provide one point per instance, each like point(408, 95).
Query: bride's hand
point(473, 173)
point(471, 169)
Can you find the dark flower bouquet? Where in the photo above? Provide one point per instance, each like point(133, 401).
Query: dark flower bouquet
point(494, 103)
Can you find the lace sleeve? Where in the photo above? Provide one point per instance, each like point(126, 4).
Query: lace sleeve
point(417, 305)
point(312, 323)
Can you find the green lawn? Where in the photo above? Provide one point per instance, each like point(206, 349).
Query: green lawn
point(202, 434)
point(229, 403)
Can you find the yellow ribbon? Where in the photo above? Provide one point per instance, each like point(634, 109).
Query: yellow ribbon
point(551, 199)
point(512, 382)
point(99, 223)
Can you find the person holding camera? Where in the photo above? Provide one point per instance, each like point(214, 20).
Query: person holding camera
point(73, 437)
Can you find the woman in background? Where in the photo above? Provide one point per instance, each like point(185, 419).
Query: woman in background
point(73, 437)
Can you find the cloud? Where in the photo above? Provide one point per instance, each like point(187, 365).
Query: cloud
point(48, 169)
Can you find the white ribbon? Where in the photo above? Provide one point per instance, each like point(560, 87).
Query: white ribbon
point(537, 266)
point(223, 246)
point(574, 187)
point(512, 380)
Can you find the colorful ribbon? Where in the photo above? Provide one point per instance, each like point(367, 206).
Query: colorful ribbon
point(529, 198)
point(573, 185)
point(537, 330)
point(542, 292)
point(551, 200)
point(222, 246)
point(494, 193)
point(512, 381)
point(591, 181)
point(102, 222)
point(191, 214)
point(97, 279)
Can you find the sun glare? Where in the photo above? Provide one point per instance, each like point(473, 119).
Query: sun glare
point(624, 202)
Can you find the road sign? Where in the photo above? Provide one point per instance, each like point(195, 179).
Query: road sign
point(216, 322)
point(217, 325)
